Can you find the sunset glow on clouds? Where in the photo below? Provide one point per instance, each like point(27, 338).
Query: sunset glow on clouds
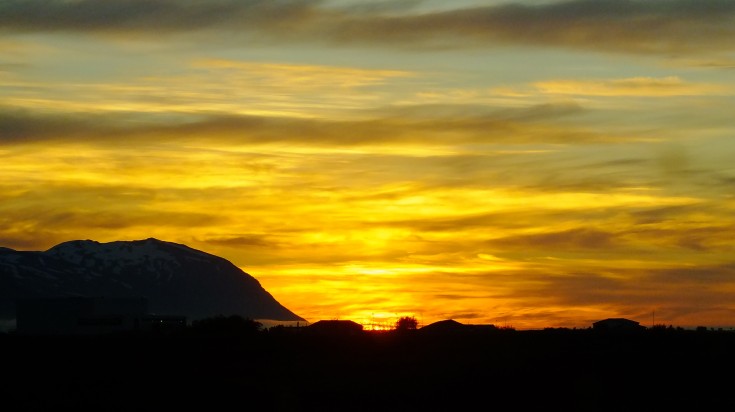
point(525, 163)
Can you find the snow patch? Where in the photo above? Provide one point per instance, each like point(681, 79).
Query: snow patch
point(131, 253)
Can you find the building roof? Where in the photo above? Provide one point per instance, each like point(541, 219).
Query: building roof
point(336, 326)
point(616, 323)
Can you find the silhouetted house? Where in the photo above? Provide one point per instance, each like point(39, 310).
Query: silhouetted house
point(443, 326)
point(450, 326)
point(617, 324)
point(87, 315)
point(336, 327)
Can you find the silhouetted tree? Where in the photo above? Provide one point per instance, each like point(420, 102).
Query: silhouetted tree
point(407, 323)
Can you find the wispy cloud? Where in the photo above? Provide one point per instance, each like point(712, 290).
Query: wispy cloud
point(217, 85)
point(634, 86)
point(301, 76)
point(575, 239)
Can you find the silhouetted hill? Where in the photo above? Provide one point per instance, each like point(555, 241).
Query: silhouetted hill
point(174, 278)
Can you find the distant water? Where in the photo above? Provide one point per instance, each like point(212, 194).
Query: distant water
point(268, 323)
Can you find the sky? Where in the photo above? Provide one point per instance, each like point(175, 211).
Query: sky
point(523, 163)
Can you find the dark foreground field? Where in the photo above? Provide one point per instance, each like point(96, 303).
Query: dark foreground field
point(555, 370)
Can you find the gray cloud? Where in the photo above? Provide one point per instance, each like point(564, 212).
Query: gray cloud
point(151, 16)
point(47, 210)
point(18, 126)
point(661, 214)
point(31, 240)
point(113, 220)
point(574, 239)
point(519, 126)
point(653, 26)
point(246, 240)
point(465, 315)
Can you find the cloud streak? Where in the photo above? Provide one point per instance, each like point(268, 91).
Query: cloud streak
point(631, 26)
point(425, 125)
point(636, 86)
point(150, 17)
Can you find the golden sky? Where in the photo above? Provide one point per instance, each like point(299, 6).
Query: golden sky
point(525, 163)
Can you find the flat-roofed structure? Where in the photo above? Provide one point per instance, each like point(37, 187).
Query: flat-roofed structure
point(336, 327)
point(617, 324)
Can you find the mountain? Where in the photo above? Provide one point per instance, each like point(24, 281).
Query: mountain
point(174, 278)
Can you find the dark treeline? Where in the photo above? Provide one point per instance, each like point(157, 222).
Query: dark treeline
point(231, 363)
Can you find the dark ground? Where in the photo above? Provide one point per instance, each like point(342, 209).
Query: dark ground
point(279, 370)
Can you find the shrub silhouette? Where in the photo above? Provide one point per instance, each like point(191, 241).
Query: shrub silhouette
point(406, 323)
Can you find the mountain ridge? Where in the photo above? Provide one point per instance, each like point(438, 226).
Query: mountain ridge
point(175, 278)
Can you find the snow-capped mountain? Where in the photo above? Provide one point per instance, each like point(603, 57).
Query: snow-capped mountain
point(174, 278)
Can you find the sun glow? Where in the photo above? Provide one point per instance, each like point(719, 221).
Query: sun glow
point(454, 169)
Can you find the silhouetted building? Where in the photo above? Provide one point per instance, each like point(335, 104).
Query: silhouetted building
point(617, 324)
point(450, 326)
point(443, 326)
point(88, 315)
point(336, 327)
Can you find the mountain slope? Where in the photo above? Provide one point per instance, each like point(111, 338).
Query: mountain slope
point(176, 279)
